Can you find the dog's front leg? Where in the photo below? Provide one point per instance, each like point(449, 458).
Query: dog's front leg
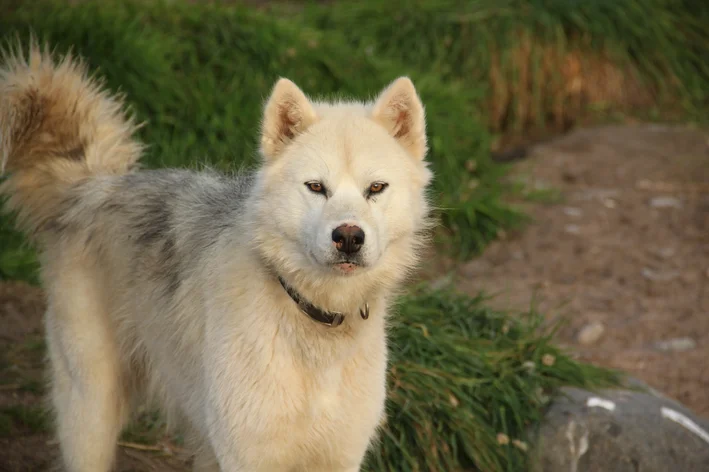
point(222, 437)
point(233, 409)
point(223, 413)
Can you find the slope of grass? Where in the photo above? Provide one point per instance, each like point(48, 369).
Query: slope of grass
point(543, 62)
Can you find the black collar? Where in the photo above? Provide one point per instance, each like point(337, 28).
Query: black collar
point(332, 319)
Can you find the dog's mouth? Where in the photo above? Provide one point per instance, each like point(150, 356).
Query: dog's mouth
point(347, 267)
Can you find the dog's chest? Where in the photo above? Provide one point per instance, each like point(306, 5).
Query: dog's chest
point(325, 397)
point(329, 415)
point(337, 397)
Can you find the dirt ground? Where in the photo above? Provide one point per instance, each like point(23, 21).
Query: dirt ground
point(622, 252)
point(623, 256)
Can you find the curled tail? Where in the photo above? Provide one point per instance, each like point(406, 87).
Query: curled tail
point(58, 127)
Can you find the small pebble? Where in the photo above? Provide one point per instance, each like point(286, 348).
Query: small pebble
point(572, 229)
point(677, 344)
point(666, 252)
point(572, 211)
point(591, 333)
point(665, 202)
point(658, 276)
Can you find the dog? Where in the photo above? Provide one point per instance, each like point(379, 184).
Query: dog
point(251, 306)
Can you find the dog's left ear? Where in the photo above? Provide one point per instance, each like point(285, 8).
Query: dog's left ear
point(287, 114)
point(400, 111)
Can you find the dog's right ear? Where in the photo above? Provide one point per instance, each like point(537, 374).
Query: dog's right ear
point(287, 114)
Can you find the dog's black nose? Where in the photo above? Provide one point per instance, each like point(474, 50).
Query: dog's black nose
point(348, 239)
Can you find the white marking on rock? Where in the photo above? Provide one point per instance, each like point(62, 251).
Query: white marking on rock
point(577, 434)
point(685, 422)
point(601, 403)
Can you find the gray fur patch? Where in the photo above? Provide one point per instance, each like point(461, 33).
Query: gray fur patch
point(168, 218)
point(176, 215)
point(153, 224)
point(170, 263)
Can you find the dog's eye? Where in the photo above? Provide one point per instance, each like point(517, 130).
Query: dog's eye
point(377, 187)
point(316, 187)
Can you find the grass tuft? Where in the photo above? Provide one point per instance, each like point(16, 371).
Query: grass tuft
point(462, 375)
point(543, 63)
point(23, 419)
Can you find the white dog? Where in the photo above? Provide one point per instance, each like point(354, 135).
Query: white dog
point(252, 307)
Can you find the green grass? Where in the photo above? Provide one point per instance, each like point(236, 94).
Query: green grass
point(147, 428)
point(462, 374)
point(23, 419)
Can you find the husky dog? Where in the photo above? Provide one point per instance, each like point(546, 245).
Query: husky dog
point(251, 307)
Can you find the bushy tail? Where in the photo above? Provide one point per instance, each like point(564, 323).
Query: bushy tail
point(58, 127)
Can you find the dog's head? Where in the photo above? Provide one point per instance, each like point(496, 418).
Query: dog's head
point(342, 187)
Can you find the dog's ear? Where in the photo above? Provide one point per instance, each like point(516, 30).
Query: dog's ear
point(400, 111)
point(287, 114)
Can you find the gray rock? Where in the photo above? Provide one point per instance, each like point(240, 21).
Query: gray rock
point(620, 431)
